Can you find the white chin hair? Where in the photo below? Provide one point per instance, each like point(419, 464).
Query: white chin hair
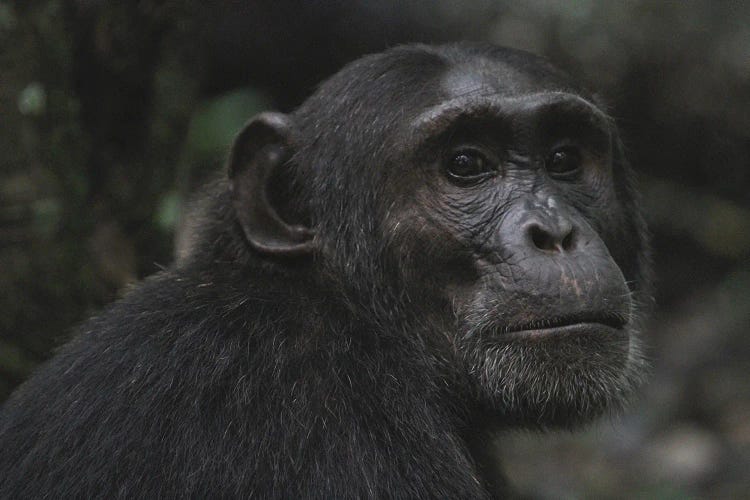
point(555, 382)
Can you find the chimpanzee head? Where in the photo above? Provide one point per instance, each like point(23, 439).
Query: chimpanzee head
point(473, 189)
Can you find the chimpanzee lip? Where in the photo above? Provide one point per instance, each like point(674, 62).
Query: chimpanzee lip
point(572, 323)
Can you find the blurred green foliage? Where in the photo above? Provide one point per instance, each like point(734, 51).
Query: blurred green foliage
point(215, 122)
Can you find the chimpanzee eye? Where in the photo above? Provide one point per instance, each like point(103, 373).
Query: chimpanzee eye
point(469, 165)
point(564, 162)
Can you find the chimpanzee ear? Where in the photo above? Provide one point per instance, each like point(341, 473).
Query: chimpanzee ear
point(257, 160)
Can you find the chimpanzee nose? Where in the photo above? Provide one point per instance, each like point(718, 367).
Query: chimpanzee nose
point(551, 235)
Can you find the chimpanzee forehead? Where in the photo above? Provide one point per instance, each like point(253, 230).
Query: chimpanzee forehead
point(485, 77)
point(485, 88)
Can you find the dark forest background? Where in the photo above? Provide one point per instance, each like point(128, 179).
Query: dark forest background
point(111, 113)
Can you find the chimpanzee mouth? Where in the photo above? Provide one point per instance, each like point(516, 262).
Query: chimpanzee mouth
point(585, 322)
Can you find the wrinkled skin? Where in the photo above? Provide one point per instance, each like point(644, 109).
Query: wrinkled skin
point(546, 320)
point(440, 243)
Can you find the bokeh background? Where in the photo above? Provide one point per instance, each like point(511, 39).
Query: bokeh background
point(112, 113)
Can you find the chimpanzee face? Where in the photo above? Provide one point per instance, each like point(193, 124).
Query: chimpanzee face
point(505, 216)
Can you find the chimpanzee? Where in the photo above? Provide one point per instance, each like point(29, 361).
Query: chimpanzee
point(439, 244)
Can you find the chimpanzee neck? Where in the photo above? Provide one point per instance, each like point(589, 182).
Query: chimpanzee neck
point(346, 402)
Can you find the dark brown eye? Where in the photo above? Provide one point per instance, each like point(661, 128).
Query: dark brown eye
point(469, 166)
point(564, 162)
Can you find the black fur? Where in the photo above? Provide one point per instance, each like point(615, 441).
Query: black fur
point(341, 373)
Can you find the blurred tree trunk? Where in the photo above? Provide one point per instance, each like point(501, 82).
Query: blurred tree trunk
point(95, 100)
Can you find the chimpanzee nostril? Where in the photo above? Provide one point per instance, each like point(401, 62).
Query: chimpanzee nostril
point(541, 238)
point(559, 239)
point(568, 241)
